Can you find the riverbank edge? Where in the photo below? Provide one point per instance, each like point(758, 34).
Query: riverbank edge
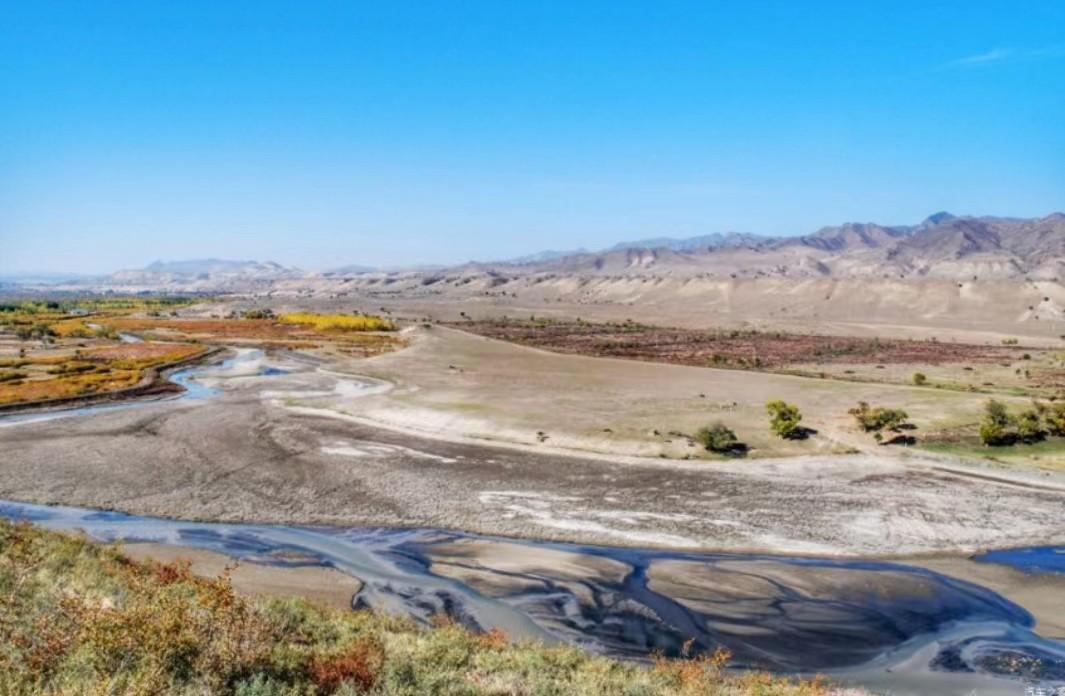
point(153, 383)
point(1042, 595)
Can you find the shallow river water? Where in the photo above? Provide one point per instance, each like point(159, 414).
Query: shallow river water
point(882, 624)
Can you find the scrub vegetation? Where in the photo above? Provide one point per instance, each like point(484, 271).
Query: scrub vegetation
point(1033, 424)
point(719, 438)
point(877, 419)
point(1008, 369)
point(88, 371)
point(78, 617)
point(338, 322)
point(1032, 434)
point(57, 349)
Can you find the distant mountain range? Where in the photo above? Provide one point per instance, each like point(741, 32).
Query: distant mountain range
point(942, 246)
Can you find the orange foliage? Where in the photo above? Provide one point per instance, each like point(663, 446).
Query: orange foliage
point(493, 639)
point(145, 351)
point(360, 665)
point(93, 371)
point(258, 330)
point(63, 386)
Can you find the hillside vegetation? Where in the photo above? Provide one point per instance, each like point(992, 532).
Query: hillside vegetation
point(78, 617)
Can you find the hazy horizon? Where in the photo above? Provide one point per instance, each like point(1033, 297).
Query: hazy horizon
point(392, 136)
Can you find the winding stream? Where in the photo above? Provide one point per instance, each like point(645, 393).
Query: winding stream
point(886, 625)
point(871, 622)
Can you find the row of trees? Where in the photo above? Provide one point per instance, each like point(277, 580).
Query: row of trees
point(785, 420)
point(999, 427)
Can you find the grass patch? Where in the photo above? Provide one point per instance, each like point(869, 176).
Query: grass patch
point(1049, 452)
point(77, 617)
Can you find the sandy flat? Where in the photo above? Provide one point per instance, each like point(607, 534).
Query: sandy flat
point(321, 585)
point(450, 383)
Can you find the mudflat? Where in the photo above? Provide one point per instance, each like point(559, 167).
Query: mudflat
point(318, 584)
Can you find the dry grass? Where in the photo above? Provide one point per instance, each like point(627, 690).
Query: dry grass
point(264, 332)
point(83, 356)
point(338, 322)
point(95, 370)
point(143, 354)
point(64, 386)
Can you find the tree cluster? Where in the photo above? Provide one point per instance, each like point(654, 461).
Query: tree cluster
point(999, 427)
point(878, 419)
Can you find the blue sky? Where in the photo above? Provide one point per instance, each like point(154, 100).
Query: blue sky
point(323, 134)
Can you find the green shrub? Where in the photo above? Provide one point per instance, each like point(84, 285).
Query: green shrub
point(1030, 425)
point(875, 420)
point(784, 419)
point(717, 437)
point(1054, 418)
point(920, 378)
point(996, 426)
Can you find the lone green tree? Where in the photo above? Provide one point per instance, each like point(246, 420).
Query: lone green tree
point(996, 426)
point(920, 378)
point(784, 420)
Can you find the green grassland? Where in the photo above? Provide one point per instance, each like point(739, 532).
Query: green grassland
point(1048, 454)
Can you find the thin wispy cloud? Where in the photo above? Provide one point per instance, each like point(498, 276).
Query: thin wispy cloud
point(1003, 55)
point(995, 55)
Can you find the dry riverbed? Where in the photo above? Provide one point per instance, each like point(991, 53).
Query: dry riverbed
point(292, 448)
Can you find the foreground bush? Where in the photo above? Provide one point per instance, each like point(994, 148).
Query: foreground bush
point(77, 617)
